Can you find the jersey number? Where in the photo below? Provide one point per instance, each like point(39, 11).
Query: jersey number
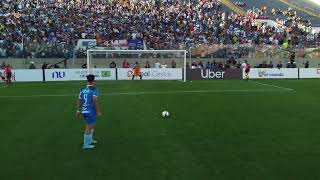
point(85, 97)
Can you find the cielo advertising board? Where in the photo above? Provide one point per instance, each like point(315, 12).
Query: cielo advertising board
point(79, 74)
point(273, 73)
point(152, 73)
point(213, 74)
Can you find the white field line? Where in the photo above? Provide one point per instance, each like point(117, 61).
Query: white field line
point(270, 85)
point(143, 93)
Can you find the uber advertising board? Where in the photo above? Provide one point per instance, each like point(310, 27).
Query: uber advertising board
point(213, 74)
point(151, 73)
point(79, 74)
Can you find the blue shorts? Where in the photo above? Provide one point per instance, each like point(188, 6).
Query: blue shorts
point(89, 118)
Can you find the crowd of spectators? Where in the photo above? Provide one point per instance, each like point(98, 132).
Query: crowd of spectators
point(126, 64)
point(194, 65)
point(209, 65)
point(51, 28)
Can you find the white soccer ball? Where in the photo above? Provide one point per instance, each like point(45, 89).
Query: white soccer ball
point(165, 114)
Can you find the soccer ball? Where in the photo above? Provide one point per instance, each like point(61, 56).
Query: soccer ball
point(165, 114)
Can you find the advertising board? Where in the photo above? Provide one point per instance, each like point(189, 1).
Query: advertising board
point(213, 74)
point(273, 73)
point(79, 74)
point(152, 73)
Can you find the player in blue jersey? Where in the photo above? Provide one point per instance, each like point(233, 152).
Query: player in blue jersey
point(88, 106)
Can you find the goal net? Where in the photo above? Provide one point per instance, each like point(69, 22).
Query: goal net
point(154, 64)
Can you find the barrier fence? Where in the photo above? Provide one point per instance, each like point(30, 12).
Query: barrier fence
point(284, 73)
point(27, 75)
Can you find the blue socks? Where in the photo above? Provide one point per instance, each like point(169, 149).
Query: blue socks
point(91, 134)
point(87, 139)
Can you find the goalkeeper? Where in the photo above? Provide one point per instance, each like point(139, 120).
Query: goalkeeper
point(136, 71)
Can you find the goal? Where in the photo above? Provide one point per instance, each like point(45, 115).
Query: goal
point(154, 64)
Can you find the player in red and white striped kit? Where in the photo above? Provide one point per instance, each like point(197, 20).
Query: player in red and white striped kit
point(247, 71)
point(247, 68)
point(8, 74)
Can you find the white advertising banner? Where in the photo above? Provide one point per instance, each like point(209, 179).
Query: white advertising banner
point(152, 73)
point(309, 72)
point(273, 73)
point(86, 43)
point(25, 75)
point(79, 74)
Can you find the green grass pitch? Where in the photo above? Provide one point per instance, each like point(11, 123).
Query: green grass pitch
point(221, 130)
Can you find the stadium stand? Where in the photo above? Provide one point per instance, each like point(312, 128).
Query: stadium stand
point(50, 29)
point(282, 8)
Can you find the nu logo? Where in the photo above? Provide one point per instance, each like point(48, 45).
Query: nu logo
point(58, 75)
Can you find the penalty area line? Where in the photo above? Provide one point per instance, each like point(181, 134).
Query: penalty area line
point(151, 92)
point(270, 85)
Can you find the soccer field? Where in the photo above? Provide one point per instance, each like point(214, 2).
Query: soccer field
point(222, 130)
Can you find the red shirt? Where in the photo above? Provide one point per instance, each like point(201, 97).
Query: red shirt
point(7, 69)
point(125, 65)
point(248, 66)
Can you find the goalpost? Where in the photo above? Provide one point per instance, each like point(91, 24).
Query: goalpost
point(152, 61)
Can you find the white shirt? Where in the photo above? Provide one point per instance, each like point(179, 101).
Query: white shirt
point(157, 65)
point(83, 35)
point(163, 66)
point(243, 65)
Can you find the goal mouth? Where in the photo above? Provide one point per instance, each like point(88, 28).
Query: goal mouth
point(147, 64)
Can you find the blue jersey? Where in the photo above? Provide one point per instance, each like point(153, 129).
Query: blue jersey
point(86, 96)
